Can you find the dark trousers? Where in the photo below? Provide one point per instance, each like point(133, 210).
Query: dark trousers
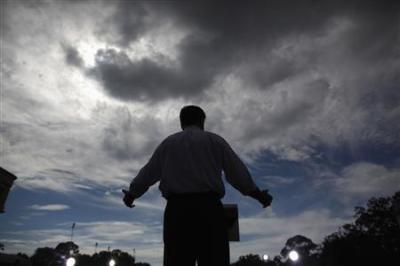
point(195, 230)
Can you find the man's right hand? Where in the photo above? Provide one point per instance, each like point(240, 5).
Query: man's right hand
point(262, 196)
point(265, 198)
point(128, 199)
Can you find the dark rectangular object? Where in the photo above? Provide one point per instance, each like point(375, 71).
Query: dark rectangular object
point(232, 221)
point(6, 182)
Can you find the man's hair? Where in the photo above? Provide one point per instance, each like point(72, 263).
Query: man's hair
point(192, 115)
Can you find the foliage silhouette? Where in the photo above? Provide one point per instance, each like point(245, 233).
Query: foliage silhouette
point(121, 258)
point(56, 257)
point(84, 260)
point(67, 248)
point(373, 239)
point(44, 257)
point(249, 260)
point(303, 245)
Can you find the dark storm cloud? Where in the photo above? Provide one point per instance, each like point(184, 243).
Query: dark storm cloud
point(129, 20)
point(72, 56)
point(226, 34)
point(146, 79)
point(222, 34)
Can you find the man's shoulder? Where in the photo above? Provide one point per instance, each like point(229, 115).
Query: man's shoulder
point(214, 135)
point(173, 136)
point(216, 139)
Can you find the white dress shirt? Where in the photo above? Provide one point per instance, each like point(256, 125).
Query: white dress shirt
point(192, 161)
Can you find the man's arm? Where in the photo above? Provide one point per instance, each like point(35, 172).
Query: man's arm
point(147, 176)
point(238, 176)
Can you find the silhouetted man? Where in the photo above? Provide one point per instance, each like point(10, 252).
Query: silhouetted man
point(189, 165)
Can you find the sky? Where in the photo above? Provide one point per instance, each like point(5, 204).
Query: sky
point(306, 92)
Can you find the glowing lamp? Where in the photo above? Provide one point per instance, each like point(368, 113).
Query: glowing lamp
point(112, 262)
point(293, 255)
point(265, 257)
point(71, 261)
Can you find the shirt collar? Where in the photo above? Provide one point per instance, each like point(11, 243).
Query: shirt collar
point(192, 127)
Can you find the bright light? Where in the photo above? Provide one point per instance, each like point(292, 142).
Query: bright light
point(112, 262)
point(265, 257)
point(293, 255)
point(71, 261)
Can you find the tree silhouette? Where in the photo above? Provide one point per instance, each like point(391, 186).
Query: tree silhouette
point(249, 260)
point(306, 248)
point(84, 260)
point(57, 257)
point(303, 245)
point(120, 257)
point(373, 239)
point(23, 255)
point(67, 248)
point(44, 257)
point(277, 261)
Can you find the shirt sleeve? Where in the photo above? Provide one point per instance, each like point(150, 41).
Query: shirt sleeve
point(147, 176)
point(236, 172)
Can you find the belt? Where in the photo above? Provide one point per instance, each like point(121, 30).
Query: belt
point(197, 195)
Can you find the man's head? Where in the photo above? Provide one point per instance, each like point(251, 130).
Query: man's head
point(192, 115)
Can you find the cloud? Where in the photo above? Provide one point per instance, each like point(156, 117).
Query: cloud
point(129, 137)
point(49, 207)
point(363, 180)
point(145, 80)
point(72, 56)
point(49, 179)
point(126, 23)
point(322, 104)
point(277, 181)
